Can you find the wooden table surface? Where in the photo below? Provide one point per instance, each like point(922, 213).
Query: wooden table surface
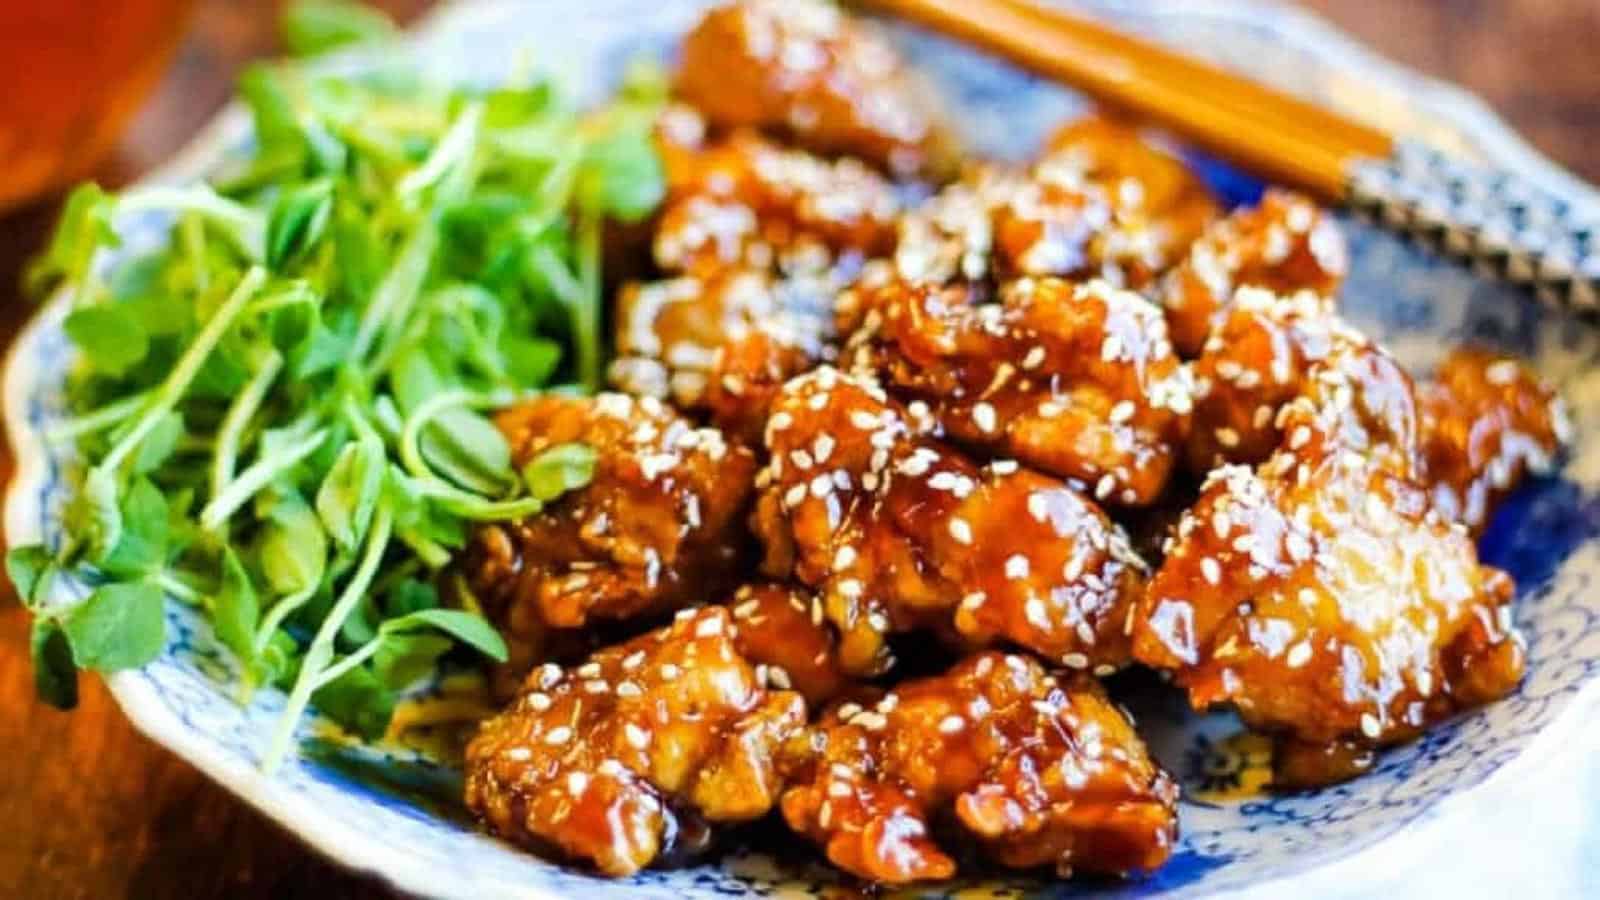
point(92, 809)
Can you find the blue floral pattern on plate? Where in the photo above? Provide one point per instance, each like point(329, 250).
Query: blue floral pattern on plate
point(393, 812)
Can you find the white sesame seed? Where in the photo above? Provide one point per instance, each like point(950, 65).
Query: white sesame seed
point(1370, 725)
point(1105, 486)
point(539, 702)
point(1299, 655)
point(1017, 566)
point(983, 416)
point(960, 530)
point(1122, 412)
point(636, 737)
point(1075, 661)
point(558, 735)
point(1211, 571)
point(952, 725)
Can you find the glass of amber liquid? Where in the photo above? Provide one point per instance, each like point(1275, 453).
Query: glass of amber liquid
point(76, 70)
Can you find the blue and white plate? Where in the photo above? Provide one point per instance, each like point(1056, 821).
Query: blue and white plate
point(1508, 790)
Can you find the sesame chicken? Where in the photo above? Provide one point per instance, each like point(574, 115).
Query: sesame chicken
point(780, 630)
point(1285, 245)
point(801, 69)
point(1075, 380)
point(1101, 201)
point(635, 753)
point(899, 532)
point(1268, 350)
point(695, 340)
point(1038, 770)
point(744, 201)
point(1487, 421)
point(660, 525)
point(1323, 598)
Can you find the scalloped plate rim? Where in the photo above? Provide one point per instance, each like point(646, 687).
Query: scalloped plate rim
point(349, 846)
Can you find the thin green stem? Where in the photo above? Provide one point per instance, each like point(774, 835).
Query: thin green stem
point(321, 649)
point(182, 375)
point(361, 655)
point(98, 420)
point(238, 416)
point(260, 473)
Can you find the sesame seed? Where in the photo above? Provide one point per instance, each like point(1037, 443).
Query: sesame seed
point(628, 689)
point(633, 660)
point(951, 724)
point(960, 530)
point(1105, 669)
point(1075, 661)
point(1105, 486)
point(636, 737)
point(595, 686)
point(1370, 725)
point(1122, 412)
point(983, 416)
point(558, 735)
point(974, 600)
point(1017, 566)
point(539, 702)
point(1211, 571)
point(1299, 655)
point(838, 789)
point(1227, 437)
point(670, 672)
point(1034, 358)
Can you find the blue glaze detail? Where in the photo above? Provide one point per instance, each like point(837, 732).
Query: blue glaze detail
point(375, 809)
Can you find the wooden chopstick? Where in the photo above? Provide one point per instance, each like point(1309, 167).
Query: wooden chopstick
point(1280, 137)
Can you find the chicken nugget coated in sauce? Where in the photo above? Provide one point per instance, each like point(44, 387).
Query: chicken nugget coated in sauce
point(1487, 421)
point(744, 201)
point(1323, 597)
point(1038, 770)
point(660, 525)
point(1285, 245)
point(634, 753)
point(897, 532)
point(1101, 201)
point(780, 629)
point(804, 70)
point(1075, 380)
point(1268, 350)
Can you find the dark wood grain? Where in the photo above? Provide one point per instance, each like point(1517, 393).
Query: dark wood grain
point(92, 809)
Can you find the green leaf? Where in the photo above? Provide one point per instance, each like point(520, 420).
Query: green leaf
point(562, 468)
point(469, 450)
point(468, 628)
point(298, 221)
point(159, 444)
point(55, 677)
point(84, 226)
point(530, 360)
point(30, 569)
point(142, 547)
point(358, 701)
point(311, 27)
point(278, 662)
point(404, 659)
point(350, 491)
point(293, 549)
point(120, 626)
point(96, 514)
point(236, 612)
point(410, 595)
point(111, 338)
point(623, 176)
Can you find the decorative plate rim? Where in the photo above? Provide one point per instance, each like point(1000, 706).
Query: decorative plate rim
point(349, 847)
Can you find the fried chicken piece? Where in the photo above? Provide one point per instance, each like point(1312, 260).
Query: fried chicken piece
point(633, 754)
point(660, 525)
point(781, 628)
point(762, 238)
point(746, 201)
point(1264, 353)
point(1101, 202)
point(671, 336)
point(897, 532)
point(803, 70)
point(1076, 380)
point(1323, 597)
point(1039, 770)
point(1487, 421)
point(1285, 245)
